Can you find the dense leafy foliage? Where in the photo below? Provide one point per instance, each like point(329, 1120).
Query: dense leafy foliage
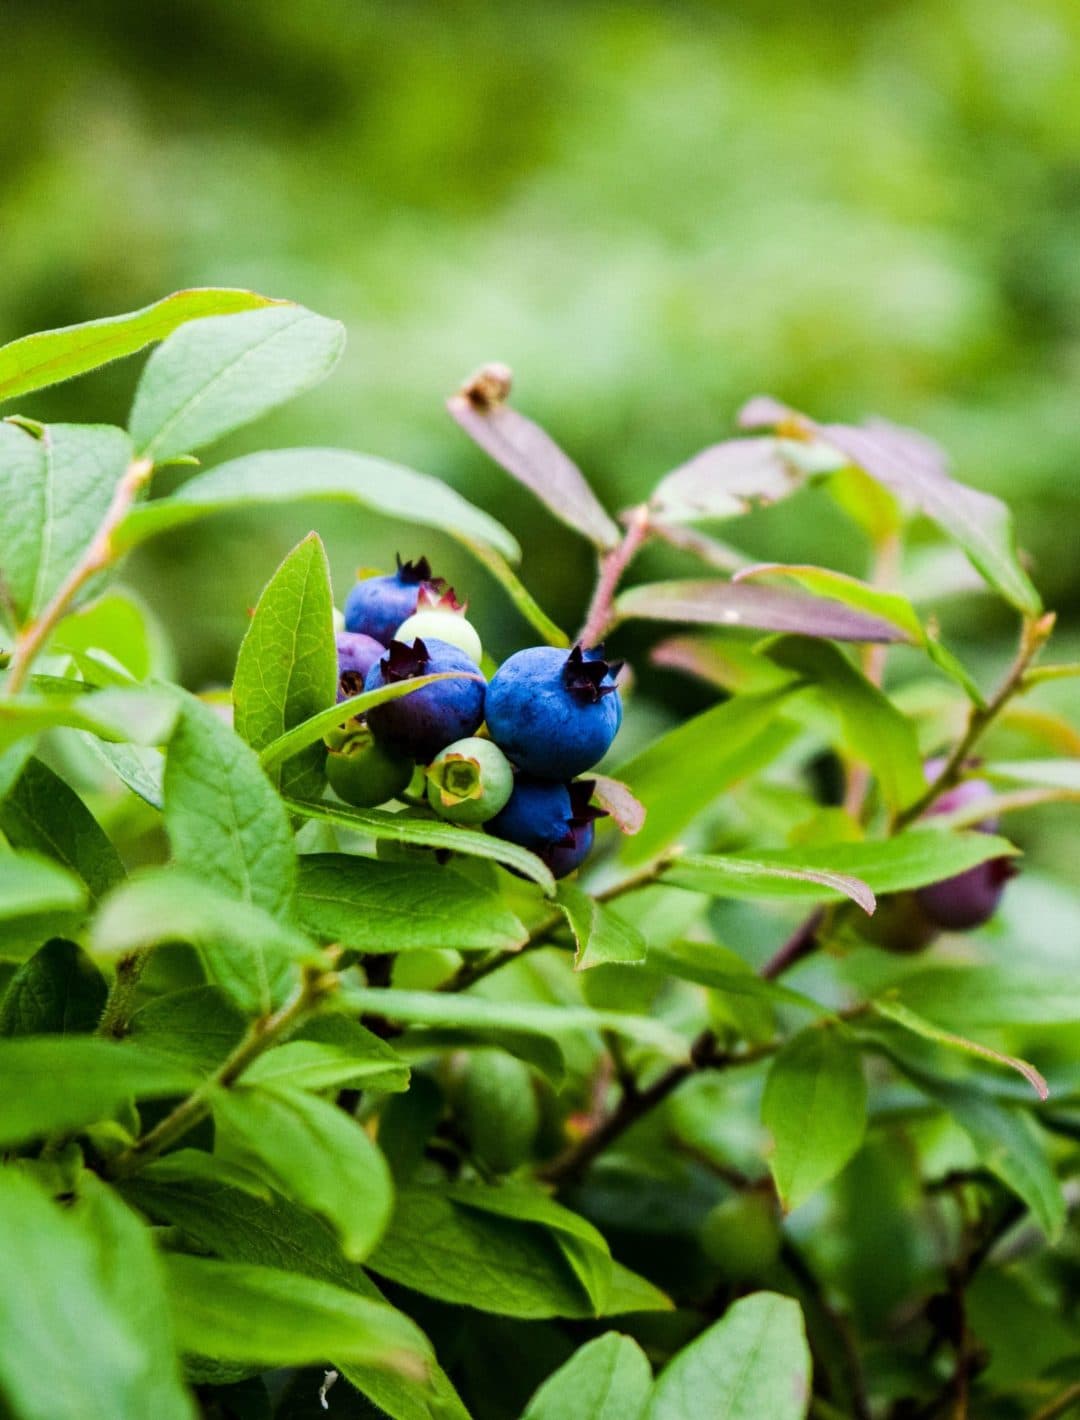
point(316, 1103)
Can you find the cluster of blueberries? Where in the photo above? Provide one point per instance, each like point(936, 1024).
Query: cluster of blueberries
point(549, 714)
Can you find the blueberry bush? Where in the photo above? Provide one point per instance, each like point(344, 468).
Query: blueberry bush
point(382, 1038)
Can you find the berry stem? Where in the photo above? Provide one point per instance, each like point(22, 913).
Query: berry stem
point(261, 1035)
point(1034, 634)
point(612, 566)
point(95, 559)
point(121, 999)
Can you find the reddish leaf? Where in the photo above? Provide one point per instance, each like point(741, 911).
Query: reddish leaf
point(531, 455)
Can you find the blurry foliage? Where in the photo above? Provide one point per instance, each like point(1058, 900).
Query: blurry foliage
point(650, 212)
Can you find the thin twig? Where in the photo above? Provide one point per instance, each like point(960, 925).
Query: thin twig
point(1033, 636)
point(121, 999)
point(802, 943)
point(612, 565)
point(1060, 1404)
point(95, 559)
point(261, 1035)
point(838, 1324)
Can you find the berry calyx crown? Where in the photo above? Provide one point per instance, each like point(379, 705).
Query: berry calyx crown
point(403, 662)
point(413, 573)
point(588, 676)
point(582, 812)
point(435, 595)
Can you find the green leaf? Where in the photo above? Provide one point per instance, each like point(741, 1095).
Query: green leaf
point(766, 877)
point(62, 1082)
point(724, 744)
point(142, 716)
point(459, 1011)
point(251, 955)
point(534, 459)
point(30, 884)
point(877, 733)
point(58, 990)
point(374, 906)
point(910, 860)
point(300, 475)
point(312, 730)
point(44, 814)
point(213, 375)
point(1043, 773)
point(985, 997)
point(518, 593)
point(118, 624)
point(286, 670)
point(1008, 1142)
point(473, 1258)
point(46, 358)
point(196, 1027)
point(138, 768)
point(752, 1363)
point(54, 490)
point(315, 1065)
point(81, 1311)
point(428, 833)
point(235, 1312)
point(722, 970)
point(718, 603)
point(581, 1244)
point(602, 938)
point(606, 1379)
point(814, 1106)
point(224, 821)
point(195, 1166)
point(383, 1068)
point(276, 1233)
point(313, 1152)
point(900, 1015)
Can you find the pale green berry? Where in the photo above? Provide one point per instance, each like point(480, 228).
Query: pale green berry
point(469, 781)
point(339, 621)
point(365, 773)
point(448, 626)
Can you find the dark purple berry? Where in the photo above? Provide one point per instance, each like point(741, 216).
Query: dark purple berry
point(423, 723)
point(356, 654)
point(377, 606)
point(554, 713)
point(968, 899)
point(554, 821)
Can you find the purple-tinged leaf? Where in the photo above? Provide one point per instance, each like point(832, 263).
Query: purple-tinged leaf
point(719, 660)
point(720, 603)
point(837, 586)
point(531, 455)
point(613, 796)
point(732, 477)
point(710, 550)
point(915, 468)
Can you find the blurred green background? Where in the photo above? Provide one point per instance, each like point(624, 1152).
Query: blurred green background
point(649, 211)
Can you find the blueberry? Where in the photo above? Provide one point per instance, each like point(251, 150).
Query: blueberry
point(968, 899)
point(563, 858)
point(377, 606)
point(428, 720)
point(537, 814)
point(554, 713)
point(554, 821)
point(356, 654)
point(469, 781)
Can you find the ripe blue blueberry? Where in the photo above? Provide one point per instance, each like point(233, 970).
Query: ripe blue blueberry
point(554, 713)
point(554, 821)
point(423, 723)
point(377, 606)
point(356, 654)
point(968, 899)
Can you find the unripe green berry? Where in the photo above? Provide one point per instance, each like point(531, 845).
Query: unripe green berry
point(365, 773)
point(339, 620)
point(497, 1109)
point(469, 781)
point(448, 626)
point(742, 1236)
